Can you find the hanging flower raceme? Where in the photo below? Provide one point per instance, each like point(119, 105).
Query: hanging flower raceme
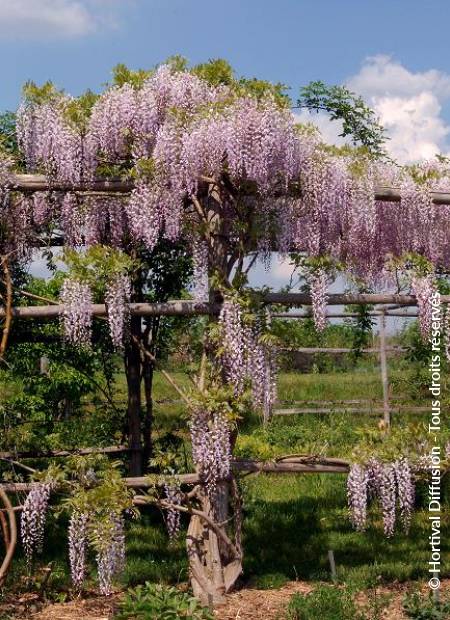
point(211, 448)
point(76, 298)
point(117, 298)
point(391, 483)
point(233, 356)
point(173, 496)
point(200, 253)
point(78, 540)
point(110, 544)
point(357, 483)
point(262, 368)
point(72, 220)
point(34, 514)
point(406, 491)
point(424, 287)
point(47, 139)
point(318, 283)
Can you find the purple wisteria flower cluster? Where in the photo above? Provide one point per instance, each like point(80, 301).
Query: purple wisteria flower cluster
point(174, 496)
point(245, 358)
point(423, 287)
point(200, 252)
point(33, 519)
point(318, 283)
point(176, 130)
point(78, 542)
point(117, 299)
point(211, 448)
point(110, 551)
point(391, 483)
point(76, 298)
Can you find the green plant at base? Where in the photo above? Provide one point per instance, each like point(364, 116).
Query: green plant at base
point(420, 608)
point(158, 602)
point(326, 603)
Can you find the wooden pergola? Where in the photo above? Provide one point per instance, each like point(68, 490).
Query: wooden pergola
point(29, 183)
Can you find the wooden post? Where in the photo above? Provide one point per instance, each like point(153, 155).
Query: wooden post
point(332, 565)
point(384, 372)
point(44, 364)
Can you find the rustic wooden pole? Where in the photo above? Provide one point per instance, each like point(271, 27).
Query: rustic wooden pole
point(186, 307)
point(384, 373)
point(39, 183)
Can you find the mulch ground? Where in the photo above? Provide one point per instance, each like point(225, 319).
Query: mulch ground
point(246, 604)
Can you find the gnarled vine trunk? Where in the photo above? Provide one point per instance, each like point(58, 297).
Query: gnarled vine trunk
point(214, 545)
point(133, 374)
point(215, 553)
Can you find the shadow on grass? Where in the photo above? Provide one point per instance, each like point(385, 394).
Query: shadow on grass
point(290, 539)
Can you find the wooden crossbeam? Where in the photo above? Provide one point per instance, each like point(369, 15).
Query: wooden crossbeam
point(185, 307)
point(40, 183)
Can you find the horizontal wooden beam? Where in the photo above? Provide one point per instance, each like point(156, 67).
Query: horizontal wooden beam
point(286, 465)
point(341, 315)
point(186, 307)
point(346, 299)
point(35, 454)
point(362, 410)
point(313, 350)
point(39, 183)
point(170, 308)
point(393, 194)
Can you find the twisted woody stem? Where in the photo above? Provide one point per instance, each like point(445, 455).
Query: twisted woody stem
point(4, 263)
point(10, 535)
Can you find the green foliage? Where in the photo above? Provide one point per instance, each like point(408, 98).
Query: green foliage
point(46, 403)
point(45, 408)
point(325, 602)
point(261, 89)
point(358, 120)
point(425, 608)
point(123, 75)
point(78, 110)
point(170, 454)
point(216, 71)
point(8, 139)
point(158, 602)
point(95, 487)
point(410, 441)
point(37, 95)
point(362, 325)
point(97, 265)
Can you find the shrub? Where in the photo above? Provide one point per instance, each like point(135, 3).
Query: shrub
point(158, 602)
point(421, 608)
point(325, 602)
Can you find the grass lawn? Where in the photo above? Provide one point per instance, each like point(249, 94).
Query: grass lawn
point(290, 521)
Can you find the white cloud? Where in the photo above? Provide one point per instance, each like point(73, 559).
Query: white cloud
point(409, 105)
point(382, 76)
point(329, 130)
point(54, 18)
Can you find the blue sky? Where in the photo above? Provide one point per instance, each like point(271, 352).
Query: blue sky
point(75, 43)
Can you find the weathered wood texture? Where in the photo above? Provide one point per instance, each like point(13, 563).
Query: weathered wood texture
point(39, 183)
point(192, 308)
